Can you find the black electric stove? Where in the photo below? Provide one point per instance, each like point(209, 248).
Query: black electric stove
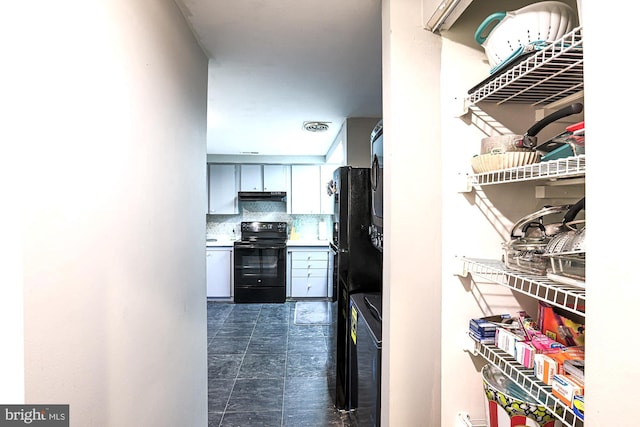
point(259, 260)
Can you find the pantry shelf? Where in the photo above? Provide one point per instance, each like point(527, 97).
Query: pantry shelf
point(547, 76)
point(568, 297)
point(527, 379)
point(567, 167)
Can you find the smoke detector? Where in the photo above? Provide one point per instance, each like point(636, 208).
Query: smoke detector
point(315, 126)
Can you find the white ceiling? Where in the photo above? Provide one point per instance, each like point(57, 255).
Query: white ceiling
point(276, 64)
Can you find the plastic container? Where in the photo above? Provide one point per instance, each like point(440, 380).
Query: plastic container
point(507, 35)
point(507, 404)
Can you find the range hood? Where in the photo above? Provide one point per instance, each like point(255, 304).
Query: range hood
point(267, 196)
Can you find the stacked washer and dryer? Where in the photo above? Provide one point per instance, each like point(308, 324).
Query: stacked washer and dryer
point(365, 344)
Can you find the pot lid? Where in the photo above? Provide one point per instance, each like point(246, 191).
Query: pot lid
point(519, 228)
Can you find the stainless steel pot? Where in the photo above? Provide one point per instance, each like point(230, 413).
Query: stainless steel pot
point(527, 251)
point(528, 141)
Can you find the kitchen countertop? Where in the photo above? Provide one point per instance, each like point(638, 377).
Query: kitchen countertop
point(225, 242)
point(307, 242)
point(221, 242)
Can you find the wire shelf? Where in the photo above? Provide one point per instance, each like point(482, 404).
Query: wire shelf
point(549, 75)
point(562, 168)
point(568, 297)
point(527, 379)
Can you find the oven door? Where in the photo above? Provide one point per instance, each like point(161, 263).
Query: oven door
point(259, 272)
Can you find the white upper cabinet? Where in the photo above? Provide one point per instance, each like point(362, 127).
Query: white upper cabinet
point(264, 177)
point(223, 189)
point(251, 178)
point(305, 186)
point(309, 189)
point(275, 177)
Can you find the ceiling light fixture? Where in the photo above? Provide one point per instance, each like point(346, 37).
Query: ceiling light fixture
point(315, 126)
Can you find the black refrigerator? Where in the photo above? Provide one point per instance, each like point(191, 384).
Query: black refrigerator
point(357, 263)
point(365, 351)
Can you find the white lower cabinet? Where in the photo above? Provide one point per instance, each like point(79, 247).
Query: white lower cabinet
point(308, 273)
point(219, 272)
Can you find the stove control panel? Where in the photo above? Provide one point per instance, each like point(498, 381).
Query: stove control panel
point(259, 226)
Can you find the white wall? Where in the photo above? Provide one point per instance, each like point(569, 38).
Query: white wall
point(412, 198)
point(359, 141)
point(114, 92)
point(612, 280)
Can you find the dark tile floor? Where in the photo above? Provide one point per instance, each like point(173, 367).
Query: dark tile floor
point(265, 370)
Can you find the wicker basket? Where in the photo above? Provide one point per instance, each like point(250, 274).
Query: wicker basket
point(505, 35)
point(493, 162)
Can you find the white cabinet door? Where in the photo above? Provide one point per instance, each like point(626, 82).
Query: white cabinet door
point(326, 199)
point(219, 268)
point(275, 177)
point(223, 189)
point(251, 178)
point(305, 184)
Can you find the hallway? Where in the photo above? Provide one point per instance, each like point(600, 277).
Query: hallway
point(266, 370)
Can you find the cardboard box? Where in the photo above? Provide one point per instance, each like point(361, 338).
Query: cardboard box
point(568, 353)
point(525, 353)
point(566, 388)
point(506, 341)
point(560, 325)
point(545, 368)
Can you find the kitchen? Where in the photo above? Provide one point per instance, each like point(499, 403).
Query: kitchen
point(294, 194)
point(109, 197)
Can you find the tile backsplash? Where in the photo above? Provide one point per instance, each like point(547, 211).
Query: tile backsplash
point(306, 226)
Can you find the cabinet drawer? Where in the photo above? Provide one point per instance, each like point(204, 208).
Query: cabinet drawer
point(309, 272)
point(309, 256)
point(304, 264)
point(307, 288)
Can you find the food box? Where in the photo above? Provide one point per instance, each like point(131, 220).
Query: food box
point(525, 353)
point(506, 340)
point(575, 368)
point(560, 325)
point(565, 388)
point(482, 327)
point(546, 365)
point(545, 368)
